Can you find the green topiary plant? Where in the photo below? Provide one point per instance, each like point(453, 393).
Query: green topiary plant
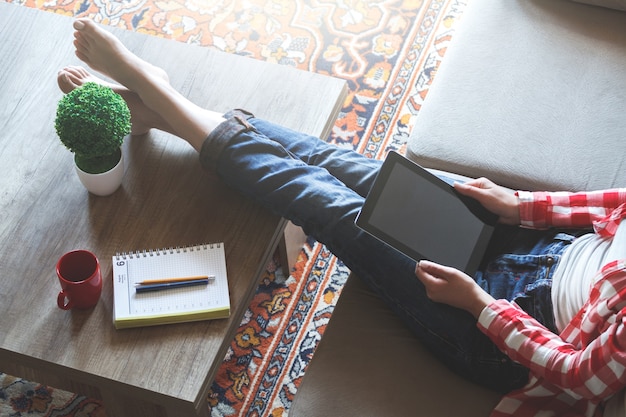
point(92, 121)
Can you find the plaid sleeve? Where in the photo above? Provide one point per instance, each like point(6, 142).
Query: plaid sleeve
point(594, 373)
point(564, 209)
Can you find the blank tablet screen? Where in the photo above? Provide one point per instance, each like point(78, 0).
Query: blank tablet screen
point(422, 216)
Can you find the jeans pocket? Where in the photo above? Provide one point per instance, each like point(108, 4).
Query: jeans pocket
point(525, 279)
point(537, 301)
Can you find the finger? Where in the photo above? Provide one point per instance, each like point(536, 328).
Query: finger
point(481, 182)
point(464, 187)
point(435, 269)
point(426, 278)
point(436, 287)
point(474, 191)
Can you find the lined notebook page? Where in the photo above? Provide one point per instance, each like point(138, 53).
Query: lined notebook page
point(170, 305)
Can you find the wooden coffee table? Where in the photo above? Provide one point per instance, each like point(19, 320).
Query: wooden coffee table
point(166, 200)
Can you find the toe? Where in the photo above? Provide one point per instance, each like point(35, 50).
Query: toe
point(65, 83)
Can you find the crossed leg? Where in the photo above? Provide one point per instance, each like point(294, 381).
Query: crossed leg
point(145, 87)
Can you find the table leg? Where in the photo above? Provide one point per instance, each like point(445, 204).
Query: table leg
point(290, 245)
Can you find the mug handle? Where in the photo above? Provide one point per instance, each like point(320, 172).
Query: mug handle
point(61, 301)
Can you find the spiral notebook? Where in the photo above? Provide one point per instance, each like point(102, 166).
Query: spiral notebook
point(172, 305)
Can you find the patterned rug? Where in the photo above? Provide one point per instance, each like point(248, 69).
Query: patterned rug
point(388, 51)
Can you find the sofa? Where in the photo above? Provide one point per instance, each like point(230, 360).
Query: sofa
point(531, 94)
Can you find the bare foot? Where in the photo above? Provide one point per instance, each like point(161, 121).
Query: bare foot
point(106, 54)
point(142, 118)
point(70, 78)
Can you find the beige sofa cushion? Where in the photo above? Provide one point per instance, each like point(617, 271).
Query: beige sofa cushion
point(369, 364)
point(531, 94)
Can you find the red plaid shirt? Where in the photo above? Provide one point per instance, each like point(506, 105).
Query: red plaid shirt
point(573, 373)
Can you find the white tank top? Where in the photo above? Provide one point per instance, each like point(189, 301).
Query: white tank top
point(572, 281)
point(578, 268)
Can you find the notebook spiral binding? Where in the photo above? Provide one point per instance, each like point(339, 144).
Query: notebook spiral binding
point(158, 252)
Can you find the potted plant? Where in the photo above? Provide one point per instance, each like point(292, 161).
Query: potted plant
point(92, 121)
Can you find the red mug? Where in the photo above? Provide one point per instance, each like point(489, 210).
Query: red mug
point(80, 278)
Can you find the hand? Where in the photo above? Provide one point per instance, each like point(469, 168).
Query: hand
point(493, 197)
point(453, 287)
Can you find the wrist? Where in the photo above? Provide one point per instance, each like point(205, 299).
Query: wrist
point(512, 211)
point(482, 300)
point(515, 211)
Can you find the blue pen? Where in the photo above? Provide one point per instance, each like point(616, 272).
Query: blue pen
point(169, 285)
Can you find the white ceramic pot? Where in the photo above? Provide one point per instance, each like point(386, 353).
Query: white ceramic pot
point(105, 183)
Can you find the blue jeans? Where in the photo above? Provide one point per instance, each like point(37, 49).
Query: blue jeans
point(322, 188)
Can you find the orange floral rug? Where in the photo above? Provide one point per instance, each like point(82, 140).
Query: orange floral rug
point(388, 51)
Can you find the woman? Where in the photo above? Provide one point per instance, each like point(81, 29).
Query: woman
point(556, 348)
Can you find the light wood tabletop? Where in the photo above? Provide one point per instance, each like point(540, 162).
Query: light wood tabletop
point(166, 200)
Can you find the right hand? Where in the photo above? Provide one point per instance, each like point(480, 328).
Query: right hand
point(453, 287)
point(493, 197)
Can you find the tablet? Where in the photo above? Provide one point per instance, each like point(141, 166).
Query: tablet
point(423, 217)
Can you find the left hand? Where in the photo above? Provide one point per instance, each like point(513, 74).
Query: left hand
point(453, 287)
point(493, 197)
